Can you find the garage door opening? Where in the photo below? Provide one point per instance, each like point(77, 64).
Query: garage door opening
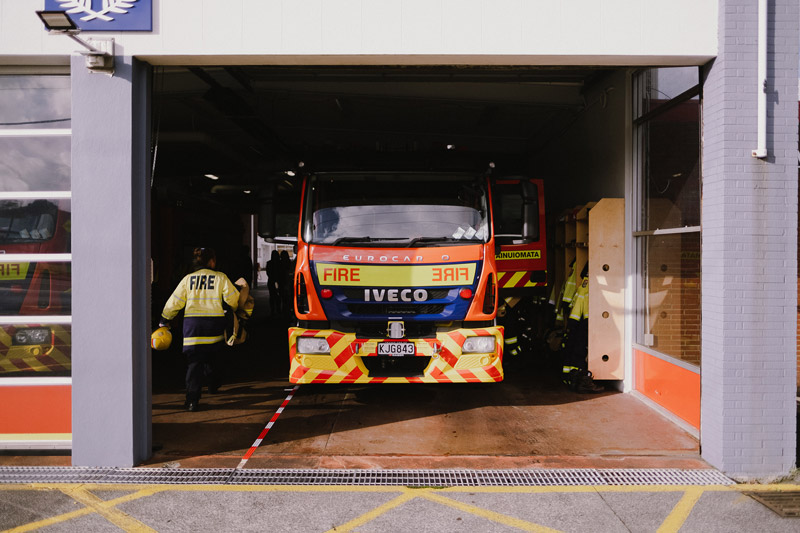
point(226, 136)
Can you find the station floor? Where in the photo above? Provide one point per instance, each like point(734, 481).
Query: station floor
point(529, 420)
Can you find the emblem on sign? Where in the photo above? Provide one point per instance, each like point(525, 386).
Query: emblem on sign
point(108, 8)
point(107, 15)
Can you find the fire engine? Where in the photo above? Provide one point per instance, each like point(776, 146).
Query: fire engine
point(397, 274)
point(34, 289)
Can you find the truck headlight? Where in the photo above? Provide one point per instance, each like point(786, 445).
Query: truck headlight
point(32, 336)
point(478, 345)
point(312, 345)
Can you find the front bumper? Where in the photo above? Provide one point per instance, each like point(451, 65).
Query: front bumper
point(351, 359)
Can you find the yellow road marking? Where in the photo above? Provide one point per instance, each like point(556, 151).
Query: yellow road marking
point(485, 513)
point(369, 516)
point(80, 493)
point(92, 503)
point(50, 521)
point(680, 512)
point(107, 509)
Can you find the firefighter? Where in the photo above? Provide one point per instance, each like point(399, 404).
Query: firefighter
point(202, 295)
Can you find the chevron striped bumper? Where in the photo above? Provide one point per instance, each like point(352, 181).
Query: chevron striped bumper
point(356, 360)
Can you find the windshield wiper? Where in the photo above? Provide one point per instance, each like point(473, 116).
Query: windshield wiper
point(418, 240)
point(365, 239)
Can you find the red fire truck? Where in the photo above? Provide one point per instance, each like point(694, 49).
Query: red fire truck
point(396, 277)
point(29, 228)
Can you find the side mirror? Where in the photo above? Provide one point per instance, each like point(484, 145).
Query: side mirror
point(266, 216)
point(530, 211)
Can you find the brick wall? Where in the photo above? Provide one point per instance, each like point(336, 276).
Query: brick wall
point(749, 270)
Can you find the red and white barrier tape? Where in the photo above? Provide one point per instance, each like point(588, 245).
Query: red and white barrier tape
point(266, 429)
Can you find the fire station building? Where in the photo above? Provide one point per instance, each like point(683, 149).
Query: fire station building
point(685, 111)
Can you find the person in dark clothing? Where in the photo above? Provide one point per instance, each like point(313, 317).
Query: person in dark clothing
point(243, 266)
point(274, 281)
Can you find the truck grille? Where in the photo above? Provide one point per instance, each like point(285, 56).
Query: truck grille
point(396, 367)
point(395, 309)
point(414, 330)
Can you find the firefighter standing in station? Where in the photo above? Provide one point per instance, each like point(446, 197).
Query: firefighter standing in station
point(202, 294)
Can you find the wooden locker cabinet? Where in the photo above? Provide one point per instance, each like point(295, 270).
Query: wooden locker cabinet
point(607, 288)
point(595, 233)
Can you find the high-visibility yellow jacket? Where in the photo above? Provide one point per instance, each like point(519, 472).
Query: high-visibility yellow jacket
point(569, 287)
point(580, 303)
point(201, 293)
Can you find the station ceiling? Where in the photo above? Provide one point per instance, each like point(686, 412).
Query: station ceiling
point(250, 125)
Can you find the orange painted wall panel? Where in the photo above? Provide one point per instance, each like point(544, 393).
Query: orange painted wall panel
point(670, 386)
point(36, 409)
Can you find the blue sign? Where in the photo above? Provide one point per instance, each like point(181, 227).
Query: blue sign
point(106, 15)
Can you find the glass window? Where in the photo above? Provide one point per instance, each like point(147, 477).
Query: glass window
point(409, 209)
point(35, 288)
point(508, 203)
point(668, 237)
point(671, 268)
point(35, 226)
point(671, 170)
point(36, 102)
point(663, 85)
point(34, 163)
point(43, 225)
point(35, 350)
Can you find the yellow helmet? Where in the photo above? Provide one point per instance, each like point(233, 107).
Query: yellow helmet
point(161, 338)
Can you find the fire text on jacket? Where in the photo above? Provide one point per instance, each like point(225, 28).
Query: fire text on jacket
point(202, 281)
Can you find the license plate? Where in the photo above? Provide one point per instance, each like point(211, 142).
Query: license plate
point(396, 349)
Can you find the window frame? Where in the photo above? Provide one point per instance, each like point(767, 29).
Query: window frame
point(639, 235)
point(45, 320)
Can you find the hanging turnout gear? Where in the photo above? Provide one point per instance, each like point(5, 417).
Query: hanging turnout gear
point(243, 313)
point(575, 373)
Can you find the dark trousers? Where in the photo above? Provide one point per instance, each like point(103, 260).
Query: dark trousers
point(201, 370)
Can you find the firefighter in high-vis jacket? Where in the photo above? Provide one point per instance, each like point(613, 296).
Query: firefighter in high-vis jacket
point(201, 295)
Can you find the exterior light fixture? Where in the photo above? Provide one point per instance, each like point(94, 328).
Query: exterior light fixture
point(247, 191)
point(289, 173)
point(211, 177)
point(97, 60)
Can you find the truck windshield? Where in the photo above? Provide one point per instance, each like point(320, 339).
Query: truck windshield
point(27, 222)
point(401, 209)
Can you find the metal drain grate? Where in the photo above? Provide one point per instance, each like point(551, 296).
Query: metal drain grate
point(785, 504)
point(177, 476)
point(407, 478)
point(421, 478)
point(51, 474)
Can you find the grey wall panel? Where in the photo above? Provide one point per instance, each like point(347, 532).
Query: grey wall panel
point(110, 285)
